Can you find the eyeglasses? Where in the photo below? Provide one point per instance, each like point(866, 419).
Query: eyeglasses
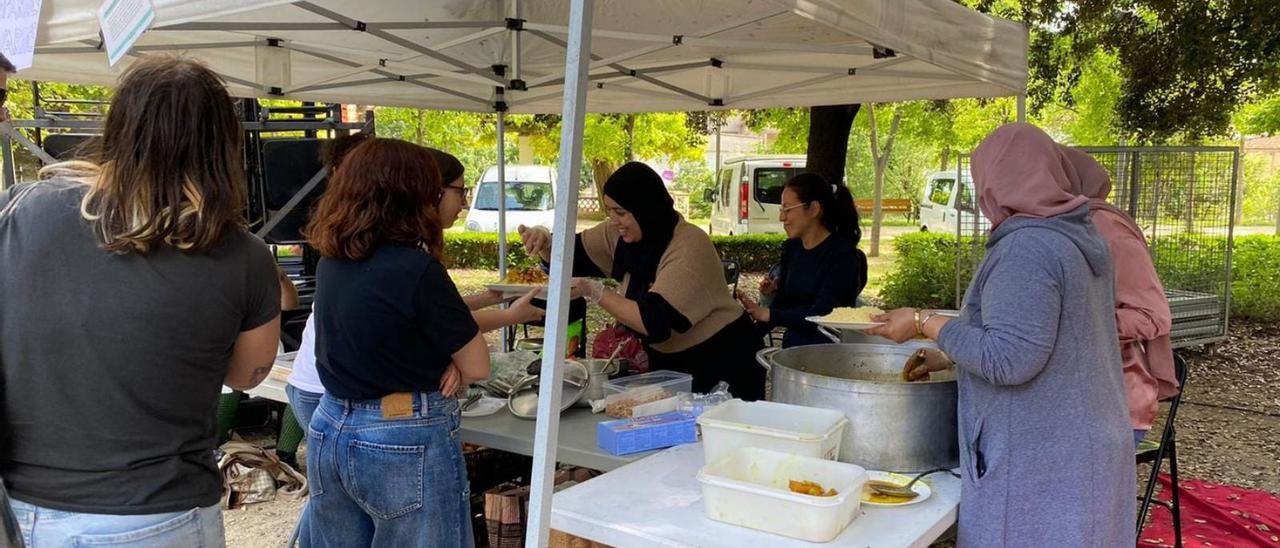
point(463, 192)
point(4, 94)
point(791, 207)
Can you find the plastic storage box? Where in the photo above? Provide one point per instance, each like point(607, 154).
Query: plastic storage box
point(624, 395)
point(804, 431)
point(626, 436)
point(749, 488)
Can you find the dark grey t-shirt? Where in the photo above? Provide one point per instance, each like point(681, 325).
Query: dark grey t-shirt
point(112, 364)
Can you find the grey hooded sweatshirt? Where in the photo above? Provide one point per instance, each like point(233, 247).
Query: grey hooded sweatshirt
point(1046, 449)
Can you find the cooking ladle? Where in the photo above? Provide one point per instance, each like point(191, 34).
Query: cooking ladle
point(890, 489)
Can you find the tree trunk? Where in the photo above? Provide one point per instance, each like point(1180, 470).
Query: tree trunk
point(829, 140)
point(946, 157)
point(880, 158)
point(600, 171)
point(629, 125)
point(419, 114)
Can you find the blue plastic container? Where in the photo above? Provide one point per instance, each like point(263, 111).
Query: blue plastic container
point(635, 435)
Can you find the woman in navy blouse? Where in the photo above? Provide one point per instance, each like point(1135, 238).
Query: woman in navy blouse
point(821, 267)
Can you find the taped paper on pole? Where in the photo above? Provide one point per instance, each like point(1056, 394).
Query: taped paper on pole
point(18, 22)
point(122, 23)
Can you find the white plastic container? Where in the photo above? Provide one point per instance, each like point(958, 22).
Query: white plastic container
point(749, 488)
point(794, 429)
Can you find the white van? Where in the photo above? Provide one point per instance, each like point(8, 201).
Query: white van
point(944, 204)
point(531, 192)
point(748, 192)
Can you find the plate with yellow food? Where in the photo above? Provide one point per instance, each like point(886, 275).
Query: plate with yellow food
point(520, 281)
point(856, 319)
point(870, 496)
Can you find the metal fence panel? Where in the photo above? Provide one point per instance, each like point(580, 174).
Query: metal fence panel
point(1183, 198)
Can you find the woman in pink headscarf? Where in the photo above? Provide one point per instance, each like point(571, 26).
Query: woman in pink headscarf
point(1046, 452)
point(1143, 319)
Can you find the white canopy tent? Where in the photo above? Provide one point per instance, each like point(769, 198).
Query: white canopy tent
point(543, 56)
point(656, 55)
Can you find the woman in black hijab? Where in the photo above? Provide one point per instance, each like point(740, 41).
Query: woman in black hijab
point(673, 291)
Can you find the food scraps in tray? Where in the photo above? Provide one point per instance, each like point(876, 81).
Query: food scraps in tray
point(810, 488)
point(526, 276)
point(862, 314)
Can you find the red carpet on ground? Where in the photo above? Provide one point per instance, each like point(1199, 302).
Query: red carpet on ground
point(1216, 515)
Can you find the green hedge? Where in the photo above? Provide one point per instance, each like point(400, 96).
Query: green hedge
point(755, 253)
point(1255, 269)
point(924, 272)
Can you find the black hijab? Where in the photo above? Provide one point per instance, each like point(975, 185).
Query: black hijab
point(639, 190)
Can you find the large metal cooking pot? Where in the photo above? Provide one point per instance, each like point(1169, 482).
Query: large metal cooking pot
point(893, 425)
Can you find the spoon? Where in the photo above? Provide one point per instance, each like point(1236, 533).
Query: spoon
point(616, 350)
point(890, 489)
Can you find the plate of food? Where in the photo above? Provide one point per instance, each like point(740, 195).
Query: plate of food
point(856, 319)
point(520, 281)
point(870, 496)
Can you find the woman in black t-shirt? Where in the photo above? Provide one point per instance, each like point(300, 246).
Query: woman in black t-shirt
point(821, 268)
point(394, 342)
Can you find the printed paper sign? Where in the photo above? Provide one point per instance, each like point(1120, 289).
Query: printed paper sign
point(18, 22)
point(123, 22)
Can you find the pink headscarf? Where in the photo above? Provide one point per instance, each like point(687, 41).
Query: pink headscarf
point(1138, 287)
point(1019, 171)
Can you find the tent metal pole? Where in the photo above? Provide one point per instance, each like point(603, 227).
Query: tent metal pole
point(10, 169)
point(1022, 107)
point(573, 116)
point(627, 71)
point(26, 143)
point(514, 13)
point(661, 47)
point(502, 204)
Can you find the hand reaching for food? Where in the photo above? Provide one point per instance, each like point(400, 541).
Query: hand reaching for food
point(537, 241)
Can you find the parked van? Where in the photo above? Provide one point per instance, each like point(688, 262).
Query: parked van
point(748, 194)
point(530, 199)
point(944, 204)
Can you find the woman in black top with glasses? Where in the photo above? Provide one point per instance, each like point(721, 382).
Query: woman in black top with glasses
point(821, 267)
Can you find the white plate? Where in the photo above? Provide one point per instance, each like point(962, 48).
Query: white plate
point(921, 488)
point(853, 326)
point(517, 289)
point(485, 406)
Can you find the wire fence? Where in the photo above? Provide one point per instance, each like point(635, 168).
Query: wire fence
point(1183, 198)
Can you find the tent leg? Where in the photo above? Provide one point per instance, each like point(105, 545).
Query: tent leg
point(10, 168)
point(1022, 108)
point(573, 115)
point(502, 207)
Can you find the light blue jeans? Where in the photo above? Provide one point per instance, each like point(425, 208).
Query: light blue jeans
point(379, 482)
point(304, 404)
point(46, 528)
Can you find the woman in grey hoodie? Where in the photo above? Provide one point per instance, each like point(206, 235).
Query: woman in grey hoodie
point(1046, 451)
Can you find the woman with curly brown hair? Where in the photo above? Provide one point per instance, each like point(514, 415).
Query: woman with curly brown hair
point(394, 342)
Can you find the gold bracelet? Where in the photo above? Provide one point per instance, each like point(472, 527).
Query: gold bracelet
point(924, 322)
point(919, 324)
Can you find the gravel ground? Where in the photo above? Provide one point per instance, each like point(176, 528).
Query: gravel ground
point(1228, 425)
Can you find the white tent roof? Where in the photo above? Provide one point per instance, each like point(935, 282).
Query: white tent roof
point(651, 55)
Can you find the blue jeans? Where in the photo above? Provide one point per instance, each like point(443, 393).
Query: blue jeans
point(303, 403)
point(45, 528)
point(379, 482)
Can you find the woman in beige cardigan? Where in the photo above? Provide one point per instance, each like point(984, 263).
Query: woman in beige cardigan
point(672, 290)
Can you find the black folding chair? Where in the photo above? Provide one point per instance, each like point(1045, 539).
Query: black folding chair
point(732, 272)
point(1155, 453)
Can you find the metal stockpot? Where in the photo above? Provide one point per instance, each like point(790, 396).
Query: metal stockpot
point(893, 425)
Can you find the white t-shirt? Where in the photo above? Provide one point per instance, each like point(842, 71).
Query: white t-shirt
point(305, 377)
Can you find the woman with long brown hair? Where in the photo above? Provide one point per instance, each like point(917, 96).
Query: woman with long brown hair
point(394, 342)
point(131, 292)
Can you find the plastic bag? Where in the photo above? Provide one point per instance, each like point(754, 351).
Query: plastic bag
point(695, 404)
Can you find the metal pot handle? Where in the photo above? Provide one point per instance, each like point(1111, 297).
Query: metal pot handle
point(765, 357)
point(830, 333)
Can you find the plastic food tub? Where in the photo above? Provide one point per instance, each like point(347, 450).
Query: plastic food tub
point(749, 488)
point(794, 429)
